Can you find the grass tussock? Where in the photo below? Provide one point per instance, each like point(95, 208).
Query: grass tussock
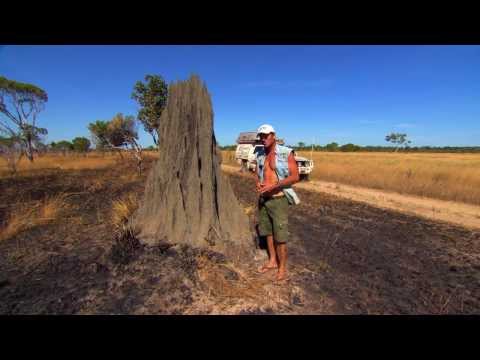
point(126, 245)
point(454, 177)
point(123, 209)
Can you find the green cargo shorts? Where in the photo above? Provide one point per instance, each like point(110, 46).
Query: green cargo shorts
point(273, 218)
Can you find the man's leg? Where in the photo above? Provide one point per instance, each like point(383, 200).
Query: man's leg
point(265, 228)
point(279, 214)
point(282, 261)
point(272, 254)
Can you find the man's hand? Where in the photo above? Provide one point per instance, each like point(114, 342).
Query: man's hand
point(260, 186)
point(267, 189)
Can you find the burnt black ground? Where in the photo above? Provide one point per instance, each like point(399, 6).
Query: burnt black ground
point(359, 259)
point(345, 258)
point(79, 264)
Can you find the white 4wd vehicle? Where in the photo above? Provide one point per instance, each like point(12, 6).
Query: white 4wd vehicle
point(248, 147)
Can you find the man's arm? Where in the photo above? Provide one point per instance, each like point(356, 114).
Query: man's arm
point(293, 170)
point(257, 181)
point(258, 184)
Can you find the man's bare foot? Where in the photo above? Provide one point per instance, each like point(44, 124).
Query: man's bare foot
point(267, 267)
point(281, 276)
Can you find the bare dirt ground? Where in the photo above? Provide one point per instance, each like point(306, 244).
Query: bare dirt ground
point(346, 257)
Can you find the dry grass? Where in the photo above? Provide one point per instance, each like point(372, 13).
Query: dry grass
point(454, 177)
point(247, 291)
point(228, 157)
point(60, 162)
point(27, 216)
point(95, 185)
point(128, 177)
point(72, 161)
point(123, 209)
point(219, 286)
point(249, 210)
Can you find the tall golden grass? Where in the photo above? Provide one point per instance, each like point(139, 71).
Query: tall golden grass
point(60, 162)
point(72, 161)
point(445, 176)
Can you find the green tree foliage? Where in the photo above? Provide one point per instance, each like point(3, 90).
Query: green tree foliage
point(228, 147)
point(63, 145)
point(81, 144)
point(20, 104)
point(398, 139)
point(333, 146)
point(350, 147)
point(122, 131)
point(152, 98)
point(99, 132)
point(119, 132)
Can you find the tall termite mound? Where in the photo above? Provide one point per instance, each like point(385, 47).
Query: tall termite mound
point(187, 198)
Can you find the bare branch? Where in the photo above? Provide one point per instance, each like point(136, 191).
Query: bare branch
point(12, 133)
point(5, 111)
point(25, 116)
point(17, 120)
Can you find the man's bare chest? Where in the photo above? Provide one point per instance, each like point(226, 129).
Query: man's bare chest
point(269, 168)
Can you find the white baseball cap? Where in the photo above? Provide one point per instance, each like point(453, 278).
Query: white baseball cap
point(265, 129)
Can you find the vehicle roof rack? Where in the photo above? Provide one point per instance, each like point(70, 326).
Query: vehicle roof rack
point(250, 137)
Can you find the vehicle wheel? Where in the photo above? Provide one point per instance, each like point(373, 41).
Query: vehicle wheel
point(244, 166)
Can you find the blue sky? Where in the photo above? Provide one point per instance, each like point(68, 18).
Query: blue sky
point(315, 94)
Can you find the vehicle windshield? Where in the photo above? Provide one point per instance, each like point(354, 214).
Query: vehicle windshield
point(257, 149)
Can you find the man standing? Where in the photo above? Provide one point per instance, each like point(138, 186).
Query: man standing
point(276, 171)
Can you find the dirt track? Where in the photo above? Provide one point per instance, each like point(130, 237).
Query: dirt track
point(457, 213)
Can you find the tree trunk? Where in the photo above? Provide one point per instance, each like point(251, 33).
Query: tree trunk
point(137, 153)
point(187, 198)
point(29, 150)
